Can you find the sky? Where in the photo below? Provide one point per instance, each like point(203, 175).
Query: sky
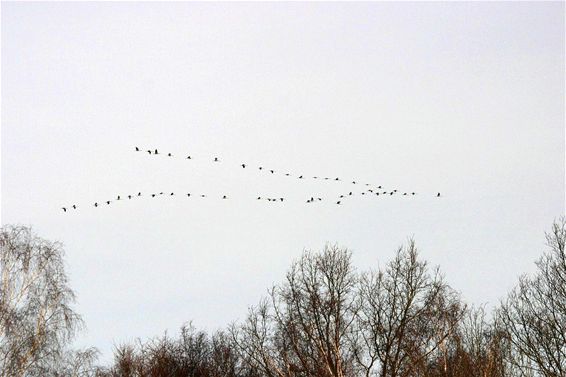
point(466, 99)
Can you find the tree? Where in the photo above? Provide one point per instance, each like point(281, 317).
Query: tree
point(407, 314)
point(533, 316)
point(302, 328)
point(36, 318)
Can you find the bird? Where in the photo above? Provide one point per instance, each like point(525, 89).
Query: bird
point(395, 190)
point(156, 152)
point(272, 171)
point(137, 149)
point(350, 193)
point(169, 155)
point(96, 204)
point(129, 197)
point(224, 197)
point(108, 202)
point(259, 198)
point(139, 193)
point(216, 159)
point(203, 196)
point(189, 194)
point(404, 194)
point(326, 178)
point(377, 193)
point(378, 187)
point(300, 177)
point(188, 157)
point(74, 206)
point(314, 177)
point(308, 200)
point(64, 209)
point(341, 196)
point(261, 168)
point(438, 195)
point(172, 194)
point(354, 182)
point(281, 199)
point(391, 193)
point(118, 198)
point(287, 174)
point(243, 166)
point(153, 195)
point(363, 193)
point(412, 193)
point(161, 193)
point(268, 199)
point(149, 151)
point(338, 202)
point(312, 199)
point(370, 190)
point(319, 199)
point(336, 179)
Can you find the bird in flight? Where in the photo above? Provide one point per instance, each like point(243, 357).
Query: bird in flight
point(438, 195)
point(243, 166)
point(96, 204)
point(118, 198)
point(272, 171)
point(203, 196)
point(149, 151)
point(137, 149)
point(301, 177)
point(156, 152)
point(188, 157)
point(224, 197)
point(74, 206)
point(129, 197)
point(338, 202)
point(139, 193)
point(169, 155)
point(108, 202)
point(64, 209)
point(172, 194)
point(189, 194)
point(215, 159)
point(153, 195)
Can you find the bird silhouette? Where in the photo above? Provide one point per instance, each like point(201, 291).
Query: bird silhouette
point(404, 194)
point(301, 177)
point(153, 195)
point(281, 199)
point(391, 193)
point(169, 155)
point(272, 171)
point(137, 149)
point(261, 168)
point(259, 198)
point(74, 206)
point(129, 197)
point(314, 177)
point(326, 178)
point(64, 209)
point(118, 198)
point(338, 202)
point(350, 193)
point(378, 187)
point(172, 194)
point(319, 199)
point(156, 152)
point(287, 174)
point(363, 193)
point(203, 196)
point(189, 194)
point(224, 197)
point(243, 166)
point(438, 195)
point(336, 179)
point(370, 190)
point(148, 151)
point(108, 202)
point(139, 193)
point(412, 193)
point(354, 182)
point(216, 159)
point(188, 157)
point(96, 204)
point(341, 196)
point(161, 193)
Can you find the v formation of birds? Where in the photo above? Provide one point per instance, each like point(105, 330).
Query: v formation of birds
point(368, 188)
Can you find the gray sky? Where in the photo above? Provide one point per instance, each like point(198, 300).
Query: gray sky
point(462, 98)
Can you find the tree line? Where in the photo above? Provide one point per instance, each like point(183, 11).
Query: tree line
point(325, 319)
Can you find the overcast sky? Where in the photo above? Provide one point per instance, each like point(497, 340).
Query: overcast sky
point(462, 98)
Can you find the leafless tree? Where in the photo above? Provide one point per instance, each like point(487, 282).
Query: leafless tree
point(533, 316)
point(407, 314)
point(302, 328)
point(36, 318)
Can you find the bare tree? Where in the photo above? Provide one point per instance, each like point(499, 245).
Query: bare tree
point(36, 319)
point(406, 316)
point(533, 316)
point(302, 329)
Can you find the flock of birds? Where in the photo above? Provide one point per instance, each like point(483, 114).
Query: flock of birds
point(376, 190)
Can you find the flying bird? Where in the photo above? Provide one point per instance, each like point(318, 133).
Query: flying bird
point(287, 174)
point(137, 149)
point(261, 168)
point(108, 202)
point(169, 155)
point(215, 159)
point(350, 193)
point(412, 193)
point(129, 197)
point(243, 166)
point(118, 198)
point(172, 194)
point(189, 194)
point(272, 171)
point(338, 202)
point(301, 177)
point(153, 195)
point(281, 199)
point(203, 196)
point(148, 151)
point(224, 197)
point(64, 209)
point(139, 193)
point(74, 206)
point(156, 152)
point(438, 195)
point(188, 157)
point(96, 204)
point(259, 198)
